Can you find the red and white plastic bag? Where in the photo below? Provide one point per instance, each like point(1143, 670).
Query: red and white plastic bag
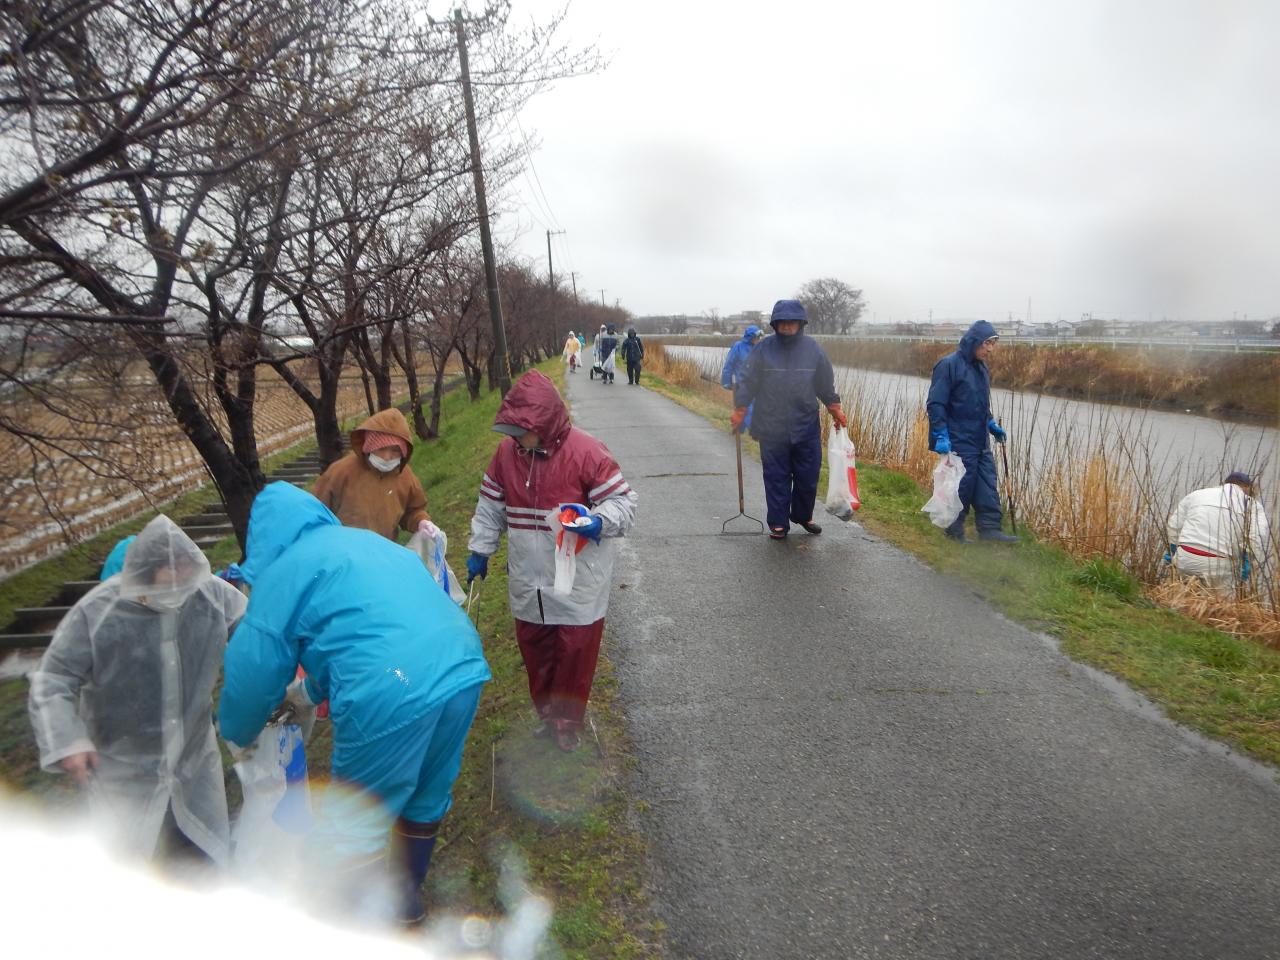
point(842, 475)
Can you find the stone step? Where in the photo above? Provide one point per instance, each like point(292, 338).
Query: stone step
point(72, 591)
point(37, 619)
point(22, 641)
point(195, 530)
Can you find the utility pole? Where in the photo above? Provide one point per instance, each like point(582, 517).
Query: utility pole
point(482, 210)
point(602, 298)
point(573, 275)
point(551, 274)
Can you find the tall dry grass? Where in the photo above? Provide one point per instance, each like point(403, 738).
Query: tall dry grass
point(1224, 384)
point(1096, 488)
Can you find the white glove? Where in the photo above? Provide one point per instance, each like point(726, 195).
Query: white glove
point(297, 695)
point(304, 708)
point(428, 529)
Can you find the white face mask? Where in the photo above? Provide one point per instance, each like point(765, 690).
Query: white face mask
point(383, 465)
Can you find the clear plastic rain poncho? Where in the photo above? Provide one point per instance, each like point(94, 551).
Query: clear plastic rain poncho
point(130, 675)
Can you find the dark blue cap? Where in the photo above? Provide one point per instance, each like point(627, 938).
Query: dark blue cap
point(1240, 477)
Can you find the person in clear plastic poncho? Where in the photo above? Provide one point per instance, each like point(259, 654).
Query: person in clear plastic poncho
point(122, 698)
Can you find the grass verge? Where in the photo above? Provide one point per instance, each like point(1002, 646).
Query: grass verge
point(1224, 686)
point(523, 812)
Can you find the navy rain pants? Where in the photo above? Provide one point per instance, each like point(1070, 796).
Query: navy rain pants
point(978, 489)
point(791, 478)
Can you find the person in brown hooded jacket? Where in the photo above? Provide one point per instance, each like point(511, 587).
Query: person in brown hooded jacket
point(372, 487)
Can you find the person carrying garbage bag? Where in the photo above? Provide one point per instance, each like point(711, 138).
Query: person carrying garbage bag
point(1219, 534)
point(398, 661)
point(122, 698)
point(779, 383)
point(960, 422)
point(372, 486)
point(544, 465)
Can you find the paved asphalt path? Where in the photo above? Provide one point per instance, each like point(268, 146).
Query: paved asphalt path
point(845, 754)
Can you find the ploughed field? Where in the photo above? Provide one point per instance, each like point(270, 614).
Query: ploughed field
point(106, 452)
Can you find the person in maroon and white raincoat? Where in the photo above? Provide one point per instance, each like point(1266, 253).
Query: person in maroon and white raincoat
point(543, 463)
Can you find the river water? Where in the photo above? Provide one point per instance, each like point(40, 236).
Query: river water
point(1182, 451)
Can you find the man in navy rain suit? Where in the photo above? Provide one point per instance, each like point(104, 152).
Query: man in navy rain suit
point(399, 662)
point(780, 381)
point(960, 420)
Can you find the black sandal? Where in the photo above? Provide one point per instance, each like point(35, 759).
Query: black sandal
point(812, 527)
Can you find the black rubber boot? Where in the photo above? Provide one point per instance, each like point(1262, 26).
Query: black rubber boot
point(414, 843)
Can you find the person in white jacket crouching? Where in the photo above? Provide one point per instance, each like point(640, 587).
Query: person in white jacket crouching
point(1220, 535)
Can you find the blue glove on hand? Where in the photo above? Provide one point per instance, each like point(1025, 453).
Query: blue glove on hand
point(997, 431)
point(477, 566)
point(1168, 556)
point(942, 443)
point(1246, 568)
point(589, 530)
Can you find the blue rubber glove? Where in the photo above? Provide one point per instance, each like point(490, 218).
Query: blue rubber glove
point(942, 442)
point(996, 430)
point(477, 566)
point(589, 530)
point(1168, 556)
point(1246, 568)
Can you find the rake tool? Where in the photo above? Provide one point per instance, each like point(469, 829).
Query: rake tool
point(1008, 481)
point(742, 505)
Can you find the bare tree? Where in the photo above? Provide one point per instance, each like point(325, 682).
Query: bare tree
point(832, 305)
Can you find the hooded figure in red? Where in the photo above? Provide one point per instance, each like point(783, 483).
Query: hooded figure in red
point(545, 462)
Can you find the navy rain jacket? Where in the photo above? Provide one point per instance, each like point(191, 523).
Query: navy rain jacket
point(960, 394)
point(782, 376)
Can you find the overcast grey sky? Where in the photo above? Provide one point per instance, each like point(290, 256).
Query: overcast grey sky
point(1115, 157)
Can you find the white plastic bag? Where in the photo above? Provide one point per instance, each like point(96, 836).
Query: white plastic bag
point(842, 475)
point(432, 549)
point(944, 506)
point(276, 814)
point(566, 555)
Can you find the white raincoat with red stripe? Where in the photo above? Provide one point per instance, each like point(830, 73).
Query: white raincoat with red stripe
point(521, 487)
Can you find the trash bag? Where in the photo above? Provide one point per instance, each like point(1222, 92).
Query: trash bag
point(842, 475)
point(944, 506)
point(567, 550)
point(432, 549)
point(276, 814)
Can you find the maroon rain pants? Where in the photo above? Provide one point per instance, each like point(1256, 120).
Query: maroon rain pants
point(561, 663)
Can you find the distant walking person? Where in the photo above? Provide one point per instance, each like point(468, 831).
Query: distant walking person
point(607, 347)
point(570, 354)
point(960, 420)
point(1219, 534)
point(633, 353)
point(782, 378)
point(372, 486)
point(736, 362)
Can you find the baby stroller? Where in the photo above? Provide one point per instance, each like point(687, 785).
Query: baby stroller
point(596, 368)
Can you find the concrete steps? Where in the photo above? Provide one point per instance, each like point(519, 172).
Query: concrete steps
point(32, 627)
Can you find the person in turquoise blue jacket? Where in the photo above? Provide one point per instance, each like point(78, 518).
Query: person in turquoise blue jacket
point(115, 559)
point(399, 662)
point(736, 360)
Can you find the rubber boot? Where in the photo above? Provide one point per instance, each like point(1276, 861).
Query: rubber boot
point(414, 843)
